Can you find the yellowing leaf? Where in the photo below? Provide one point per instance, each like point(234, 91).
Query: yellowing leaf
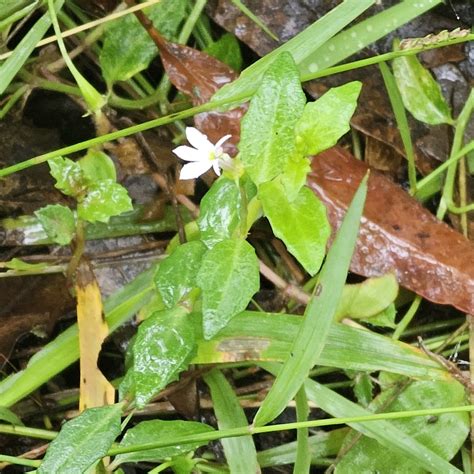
point(95, 390)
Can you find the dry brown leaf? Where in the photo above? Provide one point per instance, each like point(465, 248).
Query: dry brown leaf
point(397, 233)
point(95, 390)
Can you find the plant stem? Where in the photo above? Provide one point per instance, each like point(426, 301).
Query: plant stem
point(251, 430)
point(406, 320)
point(19, 461)
point(37, 433)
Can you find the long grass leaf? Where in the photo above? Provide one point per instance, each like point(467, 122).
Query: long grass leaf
point(240, 452)
point(319, 315)
point(268, 337)
point(303, 45)
point(22, 52)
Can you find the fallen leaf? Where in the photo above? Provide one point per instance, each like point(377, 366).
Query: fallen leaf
point(199, 75)
point(397, 233)
point(95, 390)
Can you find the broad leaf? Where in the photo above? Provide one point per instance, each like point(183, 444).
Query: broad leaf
point(128, 48)
point(156, 430)
point(227, 50)
point(103, 200)
point(267, 135)
point(302, 224)
point(97, 166)
point(58, 222)
point(68, 175)
point(162, 348)
point(82, 441)
point(221, 210)
point(240, 452)
point(319, 314)
point(394, 222)
point(327, 119)
point(176, 275)
point(366, 299)
point(420, 92)
point(443, 435)
point(228, 278)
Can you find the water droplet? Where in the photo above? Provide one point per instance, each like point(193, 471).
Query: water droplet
point(369, 28)
point(313, 67)
point(332, 47)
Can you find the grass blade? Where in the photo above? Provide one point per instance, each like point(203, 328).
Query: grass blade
point(346, 347)
point(319, 314)
point(22, 52)
point(240, 452)
point(300, 47)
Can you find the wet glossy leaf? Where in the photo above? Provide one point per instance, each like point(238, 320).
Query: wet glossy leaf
point(58, 222)
point(420, 92)
point(221, 207)
point(162, 348)
point(397, 233)
point(227, 50)
point(240, 452)
point(443, 435)
point(302, 224)
point(267, 136)
point(96, 166)
point(155, 431)
point(319, 314)
point(327, 119)
point(366, 299)
point(294, 176)
point(68, 175)
point(176, 275)
point(228, 278)
point(128, 48)
point(104, 199)
point(82, 441)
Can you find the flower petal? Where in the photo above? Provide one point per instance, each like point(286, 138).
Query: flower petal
point(194, 170)
point(215, 166)
point(198, 140)
point(188, 153)
point(221, 142)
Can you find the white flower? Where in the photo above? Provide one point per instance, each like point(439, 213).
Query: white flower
point(203, 156)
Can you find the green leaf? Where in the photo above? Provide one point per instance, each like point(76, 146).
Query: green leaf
point(227, 50)
point(228, 278)
point(294, 176)
point(128, 48)
point(83, 441)
point(302, 224)
point(163, 347)
point(97, 166)
point(319, 314)
point(10, 417)
point(303, 46)
point(384, 431)
point(156, 430)
point(369, 298)
point(240, 452)
point(68, 175)
point(327, 119)
point(221, 210)
point(176, 275)
point(267, 130)
point(322, 445)
point(58, 222)
point(385, 318)
point(22, 266)
point(443, 435)
point(420, 92)
point(269, 337)
point(103, 200)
